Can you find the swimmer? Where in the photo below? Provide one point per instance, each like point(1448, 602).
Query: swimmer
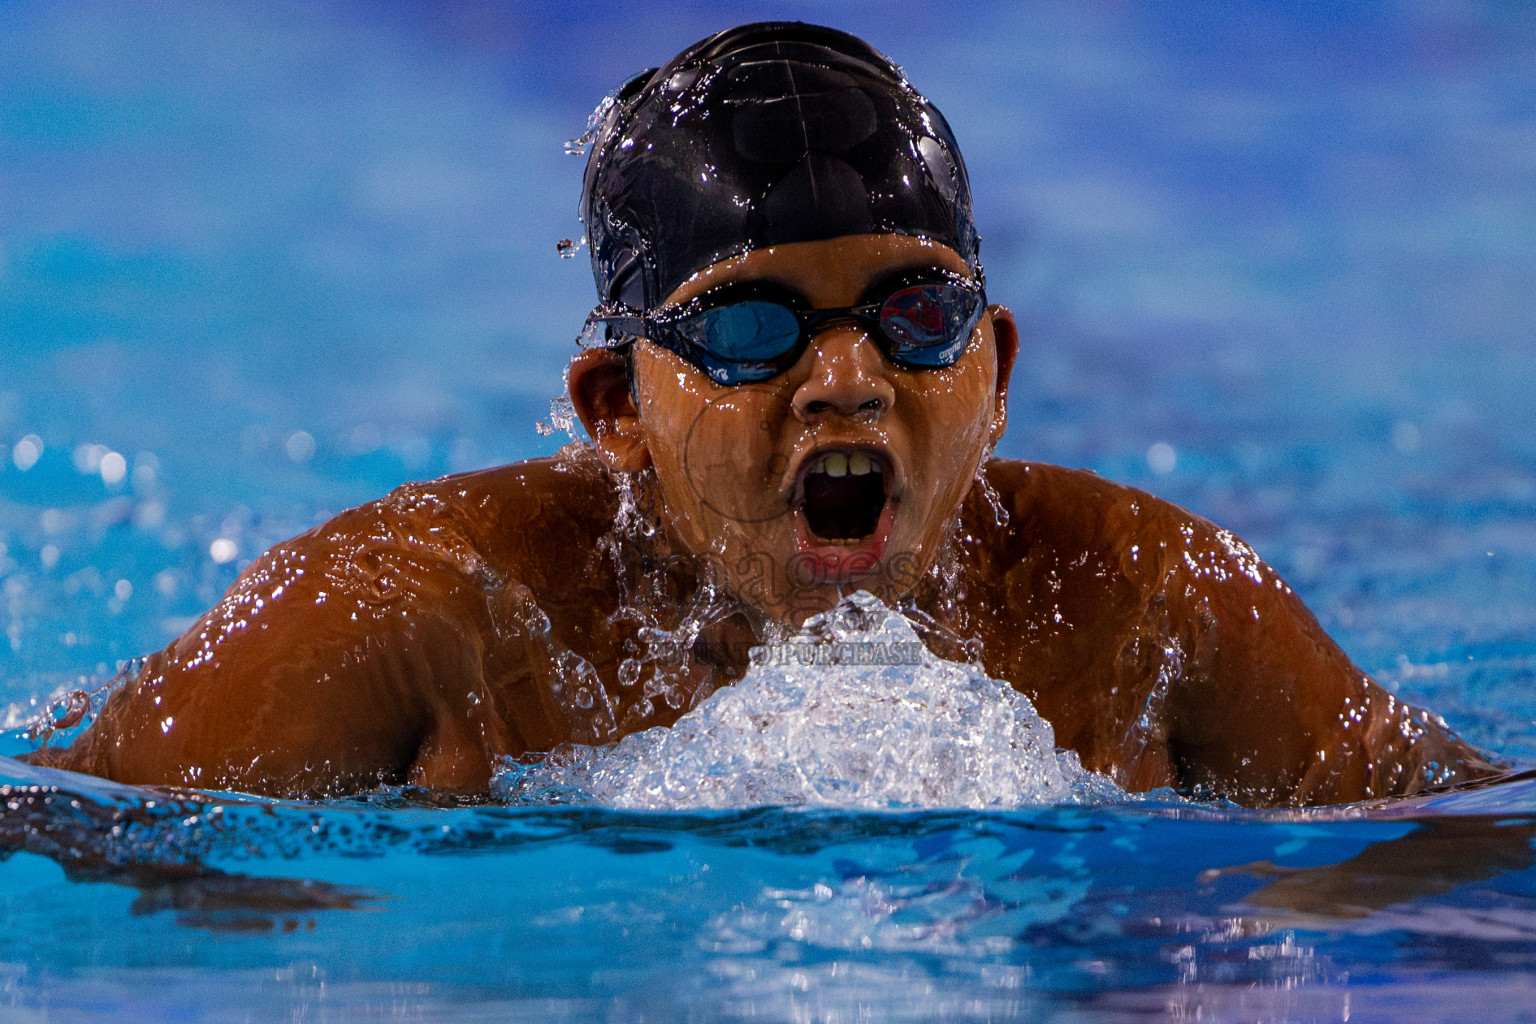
point(793, 383)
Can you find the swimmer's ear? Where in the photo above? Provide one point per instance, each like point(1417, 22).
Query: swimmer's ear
point(599, 383)
point(1005, 341)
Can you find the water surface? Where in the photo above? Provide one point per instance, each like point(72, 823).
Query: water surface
point(262, 262)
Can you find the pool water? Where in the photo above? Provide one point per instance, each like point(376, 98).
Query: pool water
point(1275, 263)
point(213, 909)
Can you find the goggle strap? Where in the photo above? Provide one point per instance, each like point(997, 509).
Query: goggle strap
point(611, 330)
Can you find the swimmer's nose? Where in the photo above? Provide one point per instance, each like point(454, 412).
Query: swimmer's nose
point(845, 376)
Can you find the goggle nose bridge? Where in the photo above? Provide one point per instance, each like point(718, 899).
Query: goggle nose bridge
point(818, 320)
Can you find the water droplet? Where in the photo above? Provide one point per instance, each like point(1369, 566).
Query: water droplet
point(27, 451)
point(562, 416)
point(112, 467)
point(1161, 458)
point(578, 146)
point(300, 446)
point(994, 500)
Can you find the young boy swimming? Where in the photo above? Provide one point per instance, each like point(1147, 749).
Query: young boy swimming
point(793, 384)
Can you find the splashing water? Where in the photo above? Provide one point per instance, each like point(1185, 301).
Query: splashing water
point(69, 711)
point(995, 500)
point(562, 416)
point(852, 712)
point(579, 145)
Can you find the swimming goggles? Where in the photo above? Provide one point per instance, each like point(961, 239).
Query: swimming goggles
point(752, 331)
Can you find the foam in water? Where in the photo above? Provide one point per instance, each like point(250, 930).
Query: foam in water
point(852, 712)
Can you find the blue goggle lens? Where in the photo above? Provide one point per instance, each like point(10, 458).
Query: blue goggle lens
point(919, 326)
point(755, 331)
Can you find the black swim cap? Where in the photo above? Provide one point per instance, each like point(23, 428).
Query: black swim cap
point(761, 135)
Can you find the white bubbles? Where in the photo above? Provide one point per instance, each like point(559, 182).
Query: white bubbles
point(166, 582)
point(364, 438)
point(92, 459)
point(880, 722)
point(27, 451)
point(88, 457)
point(1161, 458)
point(148, 515)
point(300, 446)
point(146, 472)
point(1406, 437)
point(122, 590)
point(113, 469)
point(223, 550)
point(49, 556)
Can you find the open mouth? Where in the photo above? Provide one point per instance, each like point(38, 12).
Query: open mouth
point(844, 494)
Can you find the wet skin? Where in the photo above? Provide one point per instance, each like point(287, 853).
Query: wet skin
point(415, 639)
point(730, 463)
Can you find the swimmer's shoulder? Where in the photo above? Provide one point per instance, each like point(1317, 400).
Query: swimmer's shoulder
point(1078, 509)
point(538, 521)
point(1140, 546)
point(558, 500)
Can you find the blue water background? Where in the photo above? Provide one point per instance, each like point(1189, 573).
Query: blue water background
point(282, 257)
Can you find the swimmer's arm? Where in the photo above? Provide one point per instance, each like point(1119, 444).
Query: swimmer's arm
point(1271, 711)
point(337, 661)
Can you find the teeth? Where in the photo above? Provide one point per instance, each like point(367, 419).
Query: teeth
point(846, 464)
